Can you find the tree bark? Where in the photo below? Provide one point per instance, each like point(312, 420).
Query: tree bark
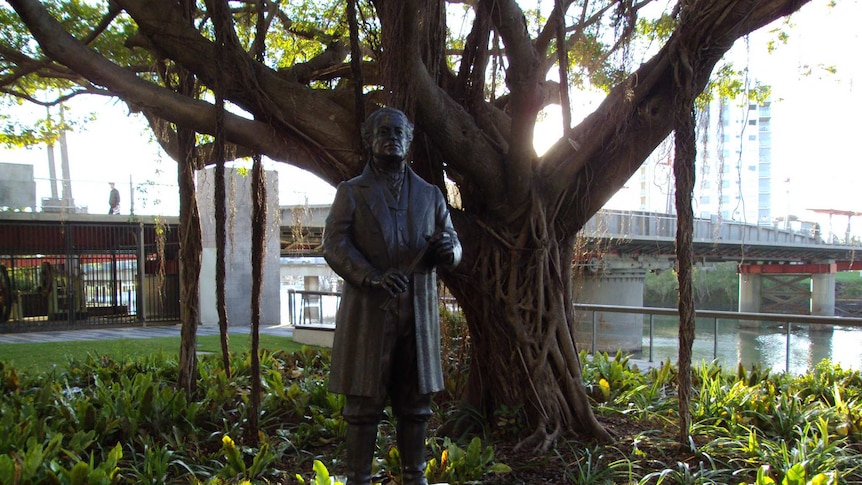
point(519, 312)
point(191, 245)
point(685, 151)
point(683, 169)
point(190, 255)
point(258, 249)
point(222, 26)
point(219, 194)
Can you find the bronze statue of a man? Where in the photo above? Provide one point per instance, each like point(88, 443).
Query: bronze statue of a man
point(386, 233)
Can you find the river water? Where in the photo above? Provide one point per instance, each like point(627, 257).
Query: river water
point(766, 345)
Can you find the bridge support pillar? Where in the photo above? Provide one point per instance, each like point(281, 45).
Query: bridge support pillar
point(822, 299)
point(614, 331)
point(750, 288)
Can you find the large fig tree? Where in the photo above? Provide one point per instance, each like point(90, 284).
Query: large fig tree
point(475, 76)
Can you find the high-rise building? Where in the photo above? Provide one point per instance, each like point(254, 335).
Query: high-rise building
point(733, 178)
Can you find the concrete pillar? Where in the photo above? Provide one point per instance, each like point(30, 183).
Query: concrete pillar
point(238, 249)
point(822, 299)
point(750, 286)
point(614, 331)
point(823, 294)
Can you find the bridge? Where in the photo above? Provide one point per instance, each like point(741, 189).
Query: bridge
point(616, 252)
point(618, 248)
point(637, 234)
point(780, 271)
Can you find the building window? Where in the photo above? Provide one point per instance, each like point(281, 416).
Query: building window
point(752, 137)
point(752, 106)
point(752, 122)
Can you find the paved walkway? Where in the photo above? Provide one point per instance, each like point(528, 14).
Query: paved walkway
point(132, 332)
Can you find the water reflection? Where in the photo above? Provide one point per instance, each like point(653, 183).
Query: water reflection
point(766, 344)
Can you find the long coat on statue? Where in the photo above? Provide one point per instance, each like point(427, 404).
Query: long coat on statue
point(360, 240)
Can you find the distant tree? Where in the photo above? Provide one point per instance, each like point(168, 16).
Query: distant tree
point(716, 287)
point(476, 100)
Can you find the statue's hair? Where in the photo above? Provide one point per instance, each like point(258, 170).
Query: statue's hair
point(368, 126)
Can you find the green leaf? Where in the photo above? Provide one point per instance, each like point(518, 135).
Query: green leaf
point(80, 473)
point(321, 474)
point(795, 476)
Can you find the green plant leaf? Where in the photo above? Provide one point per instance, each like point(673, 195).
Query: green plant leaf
point(795, 476)
point(321, 474)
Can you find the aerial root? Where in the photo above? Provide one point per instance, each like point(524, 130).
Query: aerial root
point(540, 441)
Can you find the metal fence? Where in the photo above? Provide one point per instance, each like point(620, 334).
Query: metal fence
point(76, 273)
point(789, 325)
point(313, 309)
point(316, 309)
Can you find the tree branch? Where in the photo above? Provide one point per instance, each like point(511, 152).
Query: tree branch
point(290, 106)
point(592, 162)
point(198, 115)
point(524, 79)
point(167, 138)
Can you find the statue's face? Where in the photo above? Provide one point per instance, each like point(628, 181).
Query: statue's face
point(389, 141)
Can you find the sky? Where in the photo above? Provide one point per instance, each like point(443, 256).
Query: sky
point(119, 147)
point(815, 127)
point(816, 117)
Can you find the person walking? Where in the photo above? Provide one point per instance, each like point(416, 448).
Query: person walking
point(114, 200)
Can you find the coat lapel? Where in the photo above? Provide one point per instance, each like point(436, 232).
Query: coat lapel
point(375, 200)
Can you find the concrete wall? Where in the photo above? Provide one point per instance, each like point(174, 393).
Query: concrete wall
point(238, 249)
point(17, 186)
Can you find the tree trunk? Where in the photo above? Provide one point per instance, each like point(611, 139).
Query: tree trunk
point(190, 255)
point(191, 245)
point(519, 311)
point(219, 189)
point(258, 248)
point(683, 170)
point(221, 244)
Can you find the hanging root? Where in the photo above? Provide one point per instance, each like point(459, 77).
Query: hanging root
point(540, 441)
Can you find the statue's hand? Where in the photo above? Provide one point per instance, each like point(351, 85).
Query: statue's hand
point(392, 280)
point(443, 248)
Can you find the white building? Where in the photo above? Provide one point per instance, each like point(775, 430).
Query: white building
point(733, 169)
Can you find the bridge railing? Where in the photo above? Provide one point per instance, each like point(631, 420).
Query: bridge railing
point(644, 225)
point(789, 323)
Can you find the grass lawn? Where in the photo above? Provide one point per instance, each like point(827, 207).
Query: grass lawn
point(848, 276)
point(41, 357)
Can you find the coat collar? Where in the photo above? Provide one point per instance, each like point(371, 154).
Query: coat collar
point(378, 201)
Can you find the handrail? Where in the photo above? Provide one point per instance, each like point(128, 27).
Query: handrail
point(651, 312)
point(299, 312)
point(717, 315)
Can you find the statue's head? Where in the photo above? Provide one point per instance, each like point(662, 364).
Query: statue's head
point(387, 133)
